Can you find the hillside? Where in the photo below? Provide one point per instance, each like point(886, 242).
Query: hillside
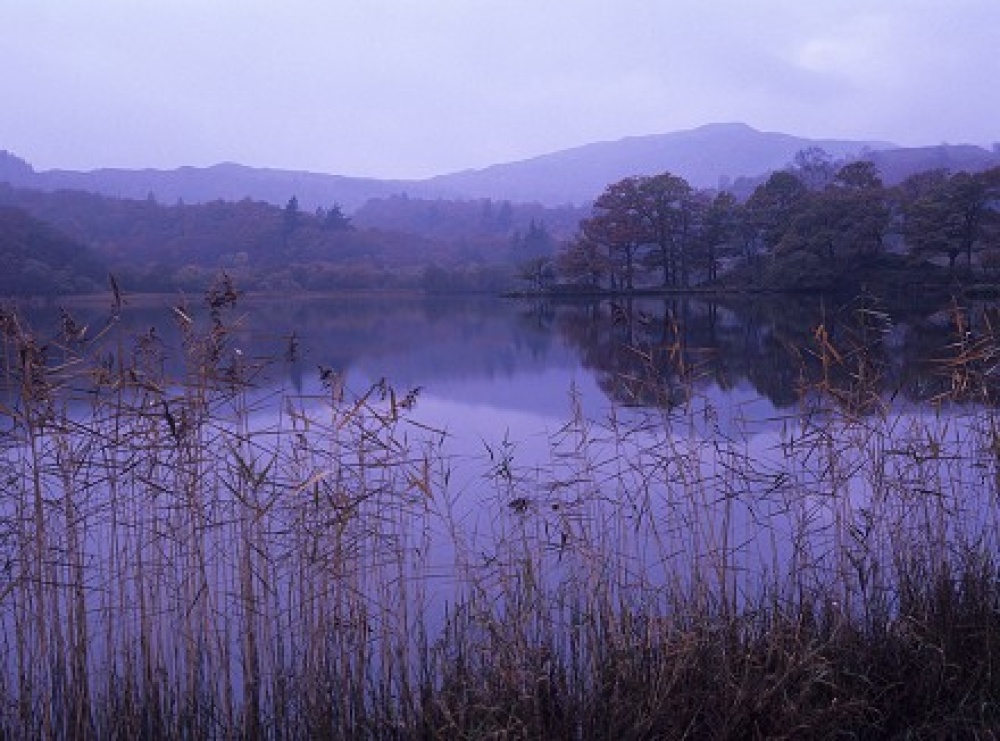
point(705, 157)
point(898, 164)
point(701, 156)
point(39, 259)
point(572, 176)
point(395, 243)
point(227, 181)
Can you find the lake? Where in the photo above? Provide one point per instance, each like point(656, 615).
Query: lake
point(485, 365)
point(316, 509)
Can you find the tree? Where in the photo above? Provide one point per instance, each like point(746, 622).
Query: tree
point(949, 215)
point(539, 272)
point(859, 176)
point(654, 218)
point(581, 260)
point(534, 243)
point(930, 226)
point(971, 197)
point(846, 219)
point(720, 232)
point(291, 215)
point(864, 215)
point(814, 167)
point(773, 207)
point(334, 219)
point(41, 260)
point(617, 225)
point(668, 213)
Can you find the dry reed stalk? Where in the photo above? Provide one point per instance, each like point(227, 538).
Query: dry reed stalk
point(648, 580)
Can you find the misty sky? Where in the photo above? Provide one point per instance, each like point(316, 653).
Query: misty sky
point(412, 88)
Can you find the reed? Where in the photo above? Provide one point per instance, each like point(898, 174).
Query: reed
point(194, 554)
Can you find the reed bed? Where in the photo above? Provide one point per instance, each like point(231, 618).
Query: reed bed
point(193, 554)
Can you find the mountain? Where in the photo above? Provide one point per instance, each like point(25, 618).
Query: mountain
point(702, 156)
point(227, 181)
point(898, 164)
point(705, 157)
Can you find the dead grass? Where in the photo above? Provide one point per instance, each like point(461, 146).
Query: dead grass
point(192, 556)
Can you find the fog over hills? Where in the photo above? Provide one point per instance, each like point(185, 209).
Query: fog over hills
point(705, 156)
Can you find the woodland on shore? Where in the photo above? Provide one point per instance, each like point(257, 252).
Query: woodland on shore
point(818, 224)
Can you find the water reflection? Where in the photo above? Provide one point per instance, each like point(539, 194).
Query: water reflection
point(484, 353)
point(658, 352)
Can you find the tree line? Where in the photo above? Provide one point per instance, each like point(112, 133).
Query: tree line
point(151, 246)
point(816, 219)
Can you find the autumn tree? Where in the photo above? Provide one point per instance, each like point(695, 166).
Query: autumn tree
point(618, 227)
point(668, 216)
point(582, 260)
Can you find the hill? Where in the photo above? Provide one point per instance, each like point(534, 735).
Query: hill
point(898, 164)
point(150, 246)
point(703, 156)
point(227, 181)
point(39, 259)
point(706, 157)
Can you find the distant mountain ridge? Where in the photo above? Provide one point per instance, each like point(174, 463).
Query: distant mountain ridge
point(702, 156)
point(705, 156)
point(226, 181)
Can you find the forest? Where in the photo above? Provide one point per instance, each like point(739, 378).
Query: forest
point(153, 247)
point(817, 224)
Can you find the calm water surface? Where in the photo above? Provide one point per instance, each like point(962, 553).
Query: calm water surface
point(489, 367)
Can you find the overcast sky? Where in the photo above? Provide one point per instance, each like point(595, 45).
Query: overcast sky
point(412, 88)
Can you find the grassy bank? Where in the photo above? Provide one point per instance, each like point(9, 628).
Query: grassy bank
point(204, 554)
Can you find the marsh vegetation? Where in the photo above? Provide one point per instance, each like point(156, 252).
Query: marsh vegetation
point(190, 551)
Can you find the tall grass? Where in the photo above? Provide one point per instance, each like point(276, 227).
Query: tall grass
point(188, 554)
